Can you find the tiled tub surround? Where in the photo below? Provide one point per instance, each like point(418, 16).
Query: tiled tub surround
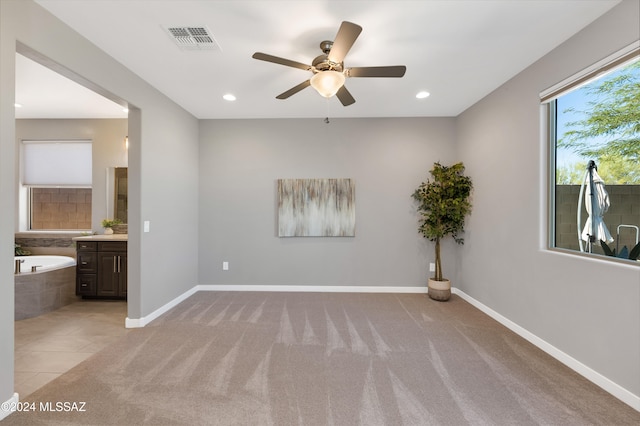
point(44, 291)
point(48, 243)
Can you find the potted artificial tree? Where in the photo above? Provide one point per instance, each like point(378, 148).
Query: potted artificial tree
point(443, 204)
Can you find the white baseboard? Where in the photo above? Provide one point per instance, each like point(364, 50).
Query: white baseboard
point(613, 388)
point(313, 288)
point(11, 402)
point(141, 322)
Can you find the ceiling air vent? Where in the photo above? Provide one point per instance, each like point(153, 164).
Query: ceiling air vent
point(193, 38)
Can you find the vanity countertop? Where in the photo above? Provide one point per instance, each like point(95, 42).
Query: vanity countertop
point(102, 237)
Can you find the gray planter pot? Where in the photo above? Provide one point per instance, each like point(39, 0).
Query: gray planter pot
point(439, 290)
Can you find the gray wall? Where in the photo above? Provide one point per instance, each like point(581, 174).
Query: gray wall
point(163, 161)
point(108, 151)
point(240, 161)
point(586, 307)
point(7, 198)
point(503, 263)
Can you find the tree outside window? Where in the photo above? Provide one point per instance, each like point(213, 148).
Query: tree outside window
point(600, 122)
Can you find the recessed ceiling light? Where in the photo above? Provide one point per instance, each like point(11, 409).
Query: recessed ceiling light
point(422, 95)
point(229, 97)
point(17, 105)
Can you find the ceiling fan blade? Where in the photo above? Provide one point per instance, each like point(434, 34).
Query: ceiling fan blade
point(394, 71)
point(345, 97)
point(294, 90)
point(276, 60)
point(347, 35)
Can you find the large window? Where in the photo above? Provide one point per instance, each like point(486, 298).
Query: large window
point(595, 136)
point(57, 176)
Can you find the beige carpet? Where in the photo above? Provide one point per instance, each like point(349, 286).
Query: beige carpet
point(251, 358)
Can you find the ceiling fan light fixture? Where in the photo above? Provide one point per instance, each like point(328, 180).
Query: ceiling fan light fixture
point(327, 83)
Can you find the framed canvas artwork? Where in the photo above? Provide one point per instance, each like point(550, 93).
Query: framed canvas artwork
point(316, 208)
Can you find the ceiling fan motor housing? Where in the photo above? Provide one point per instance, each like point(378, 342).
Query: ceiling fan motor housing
point(322, 62)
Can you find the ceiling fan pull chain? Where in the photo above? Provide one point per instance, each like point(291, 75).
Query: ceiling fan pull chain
point(326, 120)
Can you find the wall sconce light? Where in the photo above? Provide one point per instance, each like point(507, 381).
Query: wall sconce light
point(126, 143)
point(327, 83)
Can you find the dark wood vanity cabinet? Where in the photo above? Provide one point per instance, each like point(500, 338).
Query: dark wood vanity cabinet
point(102, 269)
point(86, 267)
point(112, 274)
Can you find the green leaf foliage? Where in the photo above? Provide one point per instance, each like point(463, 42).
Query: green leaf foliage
point(19, 251)
point(443, 204)
point(634, 254)
point(108, 223)
point(613, 170)
point(613, 118)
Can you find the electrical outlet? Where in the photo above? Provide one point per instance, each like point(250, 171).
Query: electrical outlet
point(432, 267)
point(225, 266)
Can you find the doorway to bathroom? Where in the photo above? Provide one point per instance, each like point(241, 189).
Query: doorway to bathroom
point(52, 105)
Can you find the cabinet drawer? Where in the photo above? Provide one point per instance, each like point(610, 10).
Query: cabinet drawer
point(86, 245)
point(112, 246)
point(87, 262)
point(86, 285)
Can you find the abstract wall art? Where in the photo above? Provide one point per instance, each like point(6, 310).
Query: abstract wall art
point(316, 208)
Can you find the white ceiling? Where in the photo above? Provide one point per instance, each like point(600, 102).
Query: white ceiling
point(43, 93)
point(458, 50)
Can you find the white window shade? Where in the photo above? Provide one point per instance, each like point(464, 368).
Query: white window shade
point(59, 163)
point(597, 70)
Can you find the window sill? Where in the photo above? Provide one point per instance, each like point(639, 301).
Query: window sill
point(594, 257)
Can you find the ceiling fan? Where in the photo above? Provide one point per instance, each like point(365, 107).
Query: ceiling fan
point(328, 69)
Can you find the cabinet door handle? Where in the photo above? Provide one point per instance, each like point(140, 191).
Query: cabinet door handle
point(118, 264)
point(84, 263)
point(114, 265)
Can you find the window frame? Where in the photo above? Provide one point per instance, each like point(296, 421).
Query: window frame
point(548, 99)
point(26, 203)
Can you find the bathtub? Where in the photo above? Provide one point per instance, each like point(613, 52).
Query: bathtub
point(51, 286)
point(44, 263)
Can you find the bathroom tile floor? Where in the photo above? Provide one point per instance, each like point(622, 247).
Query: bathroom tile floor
point(51, 344)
